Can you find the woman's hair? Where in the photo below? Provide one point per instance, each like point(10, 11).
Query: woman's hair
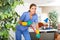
point(31, 6)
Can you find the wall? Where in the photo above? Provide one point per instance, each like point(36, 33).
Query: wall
point(47, 9)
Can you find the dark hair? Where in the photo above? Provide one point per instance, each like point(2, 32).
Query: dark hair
point(31, 6)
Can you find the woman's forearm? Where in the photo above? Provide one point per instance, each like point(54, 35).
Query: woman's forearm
point(37, 27)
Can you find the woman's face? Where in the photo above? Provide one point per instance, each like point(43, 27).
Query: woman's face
point(33, 9)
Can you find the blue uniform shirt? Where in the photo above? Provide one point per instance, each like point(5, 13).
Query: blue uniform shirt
point(25, 17)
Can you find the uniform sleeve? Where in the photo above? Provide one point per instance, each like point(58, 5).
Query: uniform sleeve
point(22, 17)
point(36, 19)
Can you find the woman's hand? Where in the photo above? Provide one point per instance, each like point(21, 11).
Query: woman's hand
point(28, 23)
point(20, 22)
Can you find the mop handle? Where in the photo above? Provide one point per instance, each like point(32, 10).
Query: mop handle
point(33, 29)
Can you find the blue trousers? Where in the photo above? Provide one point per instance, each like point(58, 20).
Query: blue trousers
point(25, 34)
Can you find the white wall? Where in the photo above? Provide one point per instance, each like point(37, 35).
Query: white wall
point(22, 8)
point(47, 9)
point(38, 2)
point(44, 2)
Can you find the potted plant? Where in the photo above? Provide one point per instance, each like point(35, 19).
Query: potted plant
point(53, 19)
point(8, 17)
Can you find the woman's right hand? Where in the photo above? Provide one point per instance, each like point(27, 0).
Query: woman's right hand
point(23, 23)
point(20, 22)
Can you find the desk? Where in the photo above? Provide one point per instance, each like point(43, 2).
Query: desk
point(41, 30)
point(45, 34)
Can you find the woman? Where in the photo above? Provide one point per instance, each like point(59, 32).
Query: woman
point(30, 15)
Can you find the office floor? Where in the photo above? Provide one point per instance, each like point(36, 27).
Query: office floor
point(44, 36)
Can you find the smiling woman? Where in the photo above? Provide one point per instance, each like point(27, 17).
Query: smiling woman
point(29, 17)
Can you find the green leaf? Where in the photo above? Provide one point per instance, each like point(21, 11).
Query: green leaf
point(21, 2)
point(0, 3)
point(8, 25)
point(2, 16)
point(10, 2)
point(1, 33)
point(5, 33)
